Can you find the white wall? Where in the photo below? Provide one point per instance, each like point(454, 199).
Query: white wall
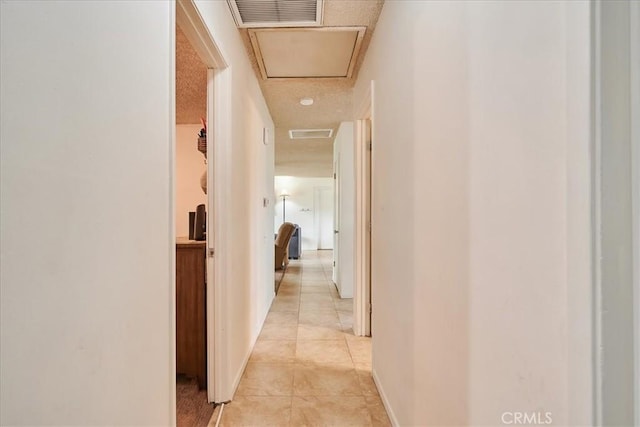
point(301, 207)
point(480, 172)
point(189, 168)
point(344, 151)
point(86, 213)
point(248, 287)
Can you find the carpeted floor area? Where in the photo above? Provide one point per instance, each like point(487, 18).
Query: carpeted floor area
point(192, 408)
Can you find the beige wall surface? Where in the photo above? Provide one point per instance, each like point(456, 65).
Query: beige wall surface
point(86, 213)
point(480, 262)
point(247, 258)
point(190, 165)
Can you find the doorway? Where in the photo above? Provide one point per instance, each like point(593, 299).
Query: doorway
point(324, 217)
point(368, 143)
point(336, 222)
point(192, 400)
point(364, 141)
point(191, 24)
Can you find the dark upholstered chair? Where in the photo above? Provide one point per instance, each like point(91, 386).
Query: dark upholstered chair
point(282, 244)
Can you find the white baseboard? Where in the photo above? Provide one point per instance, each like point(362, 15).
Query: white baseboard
point(385, 401)
point(238, 377)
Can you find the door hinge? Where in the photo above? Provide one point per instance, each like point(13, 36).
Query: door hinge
point(370, 308)
point(370, 146)
point(334, 263)
point(369, 226)
point(334, 175)
point(211, 252)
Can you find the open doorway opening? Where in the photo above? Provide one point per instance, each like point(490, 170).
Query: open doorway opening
point(337, 176)
point(308, 205)
point(363, 307)
point(368, 148)
point(192, 403)
point(202, 95)
point(324, 217)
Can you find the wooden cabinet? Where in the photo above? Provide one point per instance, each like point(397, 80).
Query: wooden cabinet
point(191, 320)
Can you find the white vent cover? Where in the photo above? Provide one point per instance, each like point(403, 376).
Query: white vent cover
point(310, 133)
point(276, 13)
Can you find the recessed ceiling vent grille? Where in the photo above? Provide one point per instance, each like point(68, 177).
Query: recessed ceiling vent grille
point(310, 133)
point(276, 13)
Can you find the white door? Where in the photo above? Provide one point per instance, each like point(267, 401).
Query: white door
point(324, 217)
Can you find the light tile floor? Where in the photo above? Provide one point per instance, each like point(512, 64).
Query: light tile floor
point(307, 368)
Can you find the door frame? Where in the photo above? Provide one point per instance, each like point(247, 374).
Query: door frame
point(336, 222)
point(635, 174)
point(615, 256)
point(317, 215)
point(362, 307)
point(190, 20)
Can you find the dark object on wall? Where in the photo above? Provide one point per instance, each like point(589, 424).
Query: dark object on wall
point(200, 224)
point(295, 244)
point(192, 223)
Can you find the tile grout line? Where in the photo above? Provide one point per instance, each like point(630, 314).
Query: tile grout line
point(295, 288)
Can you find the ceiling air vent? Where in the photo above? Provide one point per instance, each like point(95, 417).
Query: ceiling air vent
point(310, 133)
point(276, 13)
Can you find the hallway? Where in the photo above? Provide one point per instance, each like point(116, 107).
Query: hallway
point(307, 367)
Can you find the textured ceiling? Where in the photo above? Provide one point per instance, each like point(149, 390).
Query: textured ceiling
point(332, 97)
point(191, 82)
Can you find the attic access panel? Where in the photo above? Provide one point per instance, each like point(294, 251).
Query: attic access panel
point(327, 52)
